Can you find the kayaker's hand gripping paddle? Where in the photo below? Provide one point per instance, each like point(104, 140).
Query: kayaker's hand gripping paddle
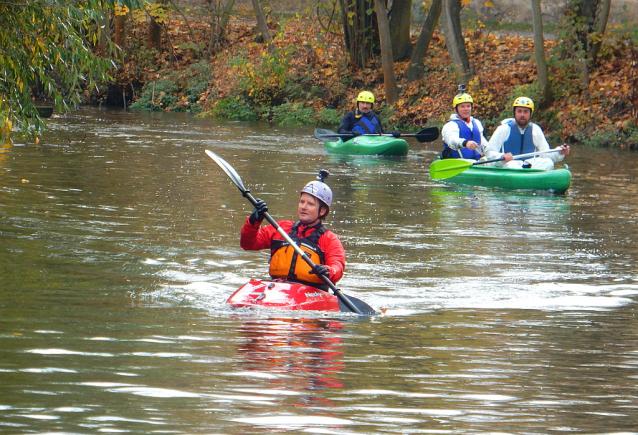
point(360, 307)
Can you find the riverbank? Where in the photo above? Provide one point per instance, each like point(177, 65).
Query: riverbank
point(308, 81)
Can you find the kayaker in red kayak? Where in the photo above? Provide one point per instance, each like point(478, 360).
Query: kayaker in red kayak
point(521, 136)
point(463, 134)
point(322, 246)
point(363, 120)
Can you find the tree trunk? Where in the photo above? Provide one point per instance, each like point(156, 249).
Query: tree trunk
point(416, 69)
point(454, 40)
point(400, 18)
point(360, 30)
point(154, 37)
point(119, 33)
point(262, 25)
point(584, 13)
point(539, 54)
point(389, 78)
point(580, 19)
point(219, 26)
point(601, 26)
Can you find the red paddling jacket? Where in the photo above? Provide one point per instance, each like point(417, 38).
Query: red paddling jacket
point(325, 249)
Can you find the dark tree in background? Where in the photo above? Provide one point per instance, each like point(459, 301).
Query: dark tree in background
point(454, 40)
point(389, 78)
point(399, 22)
point(582, 30)
point(416, 69)
point(360, 30)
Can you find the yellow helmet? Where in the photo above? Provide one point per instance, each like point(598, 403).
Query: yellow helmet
point(462, 98)
point(366, 97)
point(524, 102)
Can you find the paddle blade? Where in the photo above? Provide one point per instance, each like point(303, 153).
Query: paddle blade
point(429, 134)
point(365, 309)
point(327, 135)
point(447, 168)
point(229, 170)
point(330, 136)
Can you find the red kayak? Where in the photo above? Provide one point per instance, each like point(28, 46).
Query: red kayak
point(284, 295)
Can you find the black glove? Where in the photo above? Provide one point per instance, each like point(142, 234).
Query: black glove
point(319, 270)
point(356, 133)
point(258, 213)
point(396, 133)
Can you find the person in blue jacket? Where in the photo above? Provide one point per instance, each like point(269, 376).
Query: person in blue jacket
point(463, 134)
point(519, 135)
point(362, 120)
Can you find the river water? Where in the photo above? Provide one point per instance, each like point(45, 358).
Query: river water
point(508, 313)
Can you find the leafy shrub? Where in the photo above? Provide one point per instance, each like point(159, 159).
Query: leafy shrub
point(196, 85)
point(264, 82)
point(386, 113)
point(140, 57)
point(626, 137)
point(235, 108)
point(293, 114)
point(158, 95)
point(329, 117)
point(178, 92)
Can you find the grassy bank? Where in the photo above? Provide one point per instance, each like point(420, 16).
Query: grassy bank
point(308, 81)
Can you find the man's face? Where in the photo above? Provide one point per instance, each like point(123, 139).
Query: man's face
point(523, 115)
point(364, 107)
point(308, 209)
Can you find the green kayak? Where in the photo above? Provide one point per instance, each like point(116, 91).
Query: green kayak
point(556, 180)
point(369, 145)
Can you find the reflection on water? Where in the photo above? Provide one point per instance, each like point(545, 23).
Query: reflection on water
point(290, 347)
point(506, 312)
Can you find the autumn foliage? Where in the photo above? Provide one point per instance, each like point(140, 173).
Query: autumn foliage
point(309, 73)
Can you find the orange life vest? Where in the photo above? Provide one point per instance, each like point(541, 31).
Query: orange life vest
point(285, 262)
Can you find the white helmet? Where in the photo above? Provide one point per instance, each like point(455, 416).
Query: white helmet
point(319, 189)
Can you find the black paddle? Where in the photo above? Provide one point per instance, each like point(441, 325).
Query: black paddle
point(353, 304)
point(429, 134)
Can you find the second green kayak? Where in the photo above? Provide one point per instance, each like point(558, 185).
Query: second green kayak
point(369, 145)
point(556, 180)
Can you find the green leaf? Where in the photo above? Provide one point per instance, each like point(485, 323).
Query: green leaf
point(48, 47)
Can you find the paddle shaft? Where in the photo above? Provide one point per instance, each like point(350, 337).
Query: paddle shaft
point(429, 134)
point(518, 157)
point(302, 254)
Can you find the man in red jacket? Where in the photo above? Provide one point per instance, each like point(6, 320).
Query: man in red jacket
point(320, 244)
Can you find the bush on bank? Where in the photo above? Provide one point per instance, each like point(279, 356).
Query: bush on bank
point(307, 80)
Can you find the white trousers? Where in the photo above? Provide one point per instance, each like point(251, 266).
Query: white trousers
point(537, 163)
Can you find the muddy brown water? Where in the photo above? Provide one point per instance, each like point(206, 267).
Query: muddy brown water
point(505, 312)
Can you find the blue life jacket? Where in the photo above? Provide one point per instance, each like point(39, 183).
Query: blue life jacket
point(464, 133)
point(368, 125)
point(518, 143)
